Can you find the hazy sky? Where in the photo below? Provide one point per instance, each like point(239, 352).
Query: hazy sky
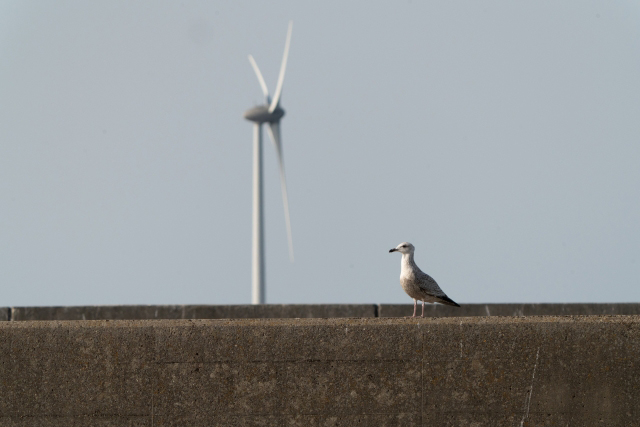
point(501, 138)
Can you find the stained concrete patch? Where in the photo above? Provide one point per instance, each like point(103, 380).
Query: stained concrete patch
point(63, 371)
point(81, 421)
point(197, 341)
point(312, 420)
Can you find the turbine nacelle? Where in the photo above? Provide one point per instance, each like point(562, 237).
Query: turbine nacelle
point(261, 114)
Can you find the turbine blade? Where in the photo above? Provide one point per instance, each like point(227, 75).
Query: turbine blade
point(274, 134)
point(263, 85)
point(283, 67)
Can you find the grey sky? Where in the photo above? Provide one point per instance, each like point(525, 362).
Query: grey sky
point(501, 138)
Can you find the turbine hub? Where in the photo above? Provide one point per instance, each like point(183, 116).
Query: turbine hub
point(261, 114)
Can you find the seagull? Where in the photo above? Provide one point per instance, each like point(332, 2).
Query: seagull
point(417, 284)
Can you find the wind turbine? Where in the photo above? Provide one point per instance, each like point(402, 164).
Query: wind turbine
point(269, 113)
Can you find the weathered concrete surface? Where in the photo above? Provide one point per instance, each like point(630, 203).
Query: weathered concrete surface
point(481, 371)
point(549, 309)
point(135, 312)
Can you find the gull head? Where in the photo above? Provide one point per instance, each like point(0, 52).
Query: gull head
point(403, 248)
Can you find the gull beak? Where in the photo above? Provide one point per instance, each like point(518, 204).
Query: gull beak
point(393, 250)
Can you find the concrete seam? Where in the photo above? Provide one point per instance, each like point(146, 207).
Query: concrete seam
point(527, 400)
point(422, 335)
point(153, 380)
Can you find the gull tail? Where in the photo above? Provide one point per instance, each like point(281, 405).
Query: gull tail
point(447, 301)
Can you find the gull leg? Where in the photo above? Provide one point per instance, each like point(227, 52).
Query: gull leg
point(415, 305)
point(422, 308)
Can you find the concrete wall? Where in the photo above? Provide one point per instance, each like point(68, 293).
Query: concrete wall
point(557, 309)
point(131, 312)
point(480, 371)
point(125, 312)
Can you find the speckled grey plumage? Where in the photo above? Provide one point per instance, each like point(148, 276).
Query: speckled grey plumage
point(416, 283)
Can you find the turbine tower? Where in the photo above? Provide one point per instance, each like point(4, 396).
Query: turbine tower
point(269, 113)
